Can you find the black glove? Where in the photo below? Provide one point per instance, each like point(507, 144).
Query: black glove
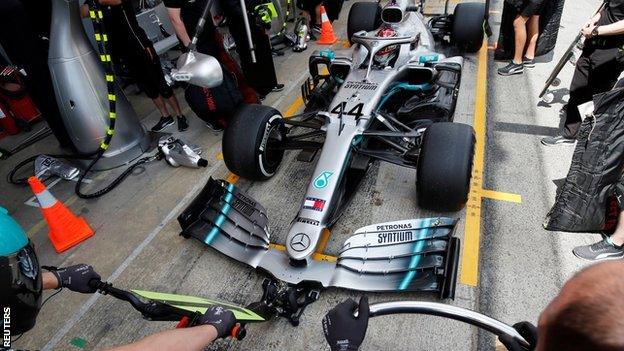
point(342, 330)
point(76, 278)
point(528, 332)
point(222, 319)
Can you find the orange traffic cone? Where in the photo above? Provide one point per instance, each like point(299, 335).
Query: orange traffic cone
point(327, 31)
point(66, 229)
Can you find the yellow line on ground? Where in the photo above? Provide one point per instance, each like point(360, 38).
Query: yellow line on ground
point(499, 195)
point(472, 234)
point(316, 256)
point(319, 256)
point(279, 247)
point(220, 156)
point(232, 178)
point(294, 107)
point(36, 228)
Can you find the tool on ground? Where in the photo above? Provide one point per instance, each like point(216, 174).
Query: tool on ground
point(327, 36)
point(183, 309)
point(447, 311)
point(177, 153)
point(47, 165)
point(568, 56)
point(66, 229)
point(301, 30)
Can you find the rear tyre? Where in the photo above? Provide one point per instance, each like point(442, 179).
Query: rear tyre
point(247, 140)
point(468, 24)
point(363, 16)
point(445, 166)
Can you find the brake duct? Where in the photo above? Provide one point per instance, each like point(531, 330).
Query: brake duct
point(407, 255)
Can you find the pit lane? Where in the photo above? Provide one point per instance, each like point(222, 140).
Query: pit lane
point(510, 266)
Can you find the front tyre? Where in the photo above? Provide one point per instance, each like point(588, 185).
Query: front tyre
point(445, 166)
point(250, 139)
point(468, 26)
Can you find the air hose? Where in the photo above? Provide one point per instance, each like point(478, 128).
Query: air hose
point(96, 15)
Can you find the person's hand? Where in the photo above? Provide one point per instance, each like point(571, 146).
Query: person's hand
point(76, 278)
point(587, 31)
point(528, 332)
point(222, 319)
point(590, 22)
point(342, 330)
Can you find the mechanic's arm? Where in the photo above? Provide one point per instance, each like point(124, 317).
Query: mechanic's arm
point(216, 322)
point(178, 25)
point(616, 28)
point(592, 21)
point(189, 339)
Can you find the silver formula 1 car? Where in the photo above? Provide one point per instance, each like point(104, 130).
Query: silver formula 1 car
point(391, 97)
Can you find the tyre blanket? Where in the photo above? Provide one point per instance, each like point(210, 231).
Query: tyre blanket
point(215, 105)
point(550, 20)
point(588, 201)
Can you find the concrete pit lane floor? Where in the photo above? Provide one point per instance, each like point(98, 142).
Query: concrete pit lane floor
point(510, 267)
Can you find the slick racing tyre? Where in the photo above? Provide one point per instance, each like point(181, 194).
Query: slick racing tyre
point(363, 16)
point(445, 166)
point(468, 21)
point(247, 142)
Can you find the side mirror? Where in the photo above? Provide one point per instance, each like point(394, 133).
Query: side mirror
point(198, 69)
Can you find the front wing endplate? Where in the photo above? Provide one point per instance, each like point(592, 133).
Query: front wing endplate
point(406, 255)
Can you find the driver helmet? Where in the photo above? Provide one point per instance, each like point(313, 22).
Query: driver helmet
point(20, 276)
point(385, 55)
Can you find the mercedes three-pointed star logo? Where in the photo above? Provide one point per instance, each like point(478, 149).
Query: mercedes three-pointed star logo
point(300, 242)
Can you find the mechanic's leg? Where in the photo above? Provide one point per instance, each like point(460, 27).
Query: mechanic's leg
point(532, 35)
point(161, 106)
point(580, 92)
point(520, 35)
point(175, 105)
point(618, 236)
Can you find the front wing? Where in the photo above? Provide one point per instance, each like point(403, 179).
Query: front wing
point(406, 255)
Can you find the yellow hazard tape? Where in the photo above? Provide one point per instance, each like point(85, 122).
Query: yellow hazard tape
point(111, 97)
point(109, 131)
point(98, 37)
point(100, 14)
point(110, 78)
point(92, 14)
point(112, 115)
point(103, 146)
